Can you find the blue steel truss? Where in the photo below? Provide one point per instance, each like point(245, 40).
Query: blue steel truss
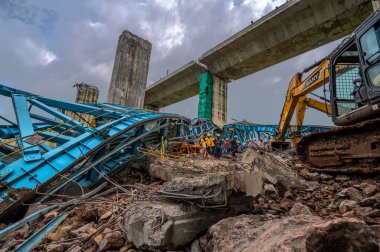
point(45, 151)
point(245, 131)
point(201, 127)
point(265, 132)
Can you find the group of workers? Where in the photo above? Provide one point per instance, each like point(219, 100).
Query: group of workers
point(217, 146)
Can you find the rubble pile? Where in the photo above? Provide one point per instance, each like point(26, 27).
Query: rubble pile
point(262, 202)
point(92, 225)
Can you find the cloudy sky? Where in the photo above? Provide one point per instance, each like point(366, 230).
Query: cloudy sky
point(46, 46)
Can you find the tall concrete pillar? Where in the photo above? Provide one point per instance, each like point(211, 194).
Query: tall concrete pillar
point(219, 101)
point(130, 71)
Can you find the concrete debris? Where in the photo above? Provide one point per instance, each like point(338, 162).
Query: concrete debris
point(342, 178)
point(175, 202)
point(295, 233)
point(369, 189)
point(275, 168)
point(325, 176)
point(299, 209)
point(371, 201)
point(199, 176)
point(314, 176)
point(351, 193)
point(168, 225)
point(347, 205)
point(195, 246)
point(112, 240)
point(269, 189)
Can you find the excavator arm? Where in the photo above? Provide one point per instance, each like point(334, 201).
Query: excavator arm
point(296, 100)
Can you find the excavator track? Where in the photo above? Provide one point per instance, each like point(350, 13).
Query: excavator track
point(349, 149)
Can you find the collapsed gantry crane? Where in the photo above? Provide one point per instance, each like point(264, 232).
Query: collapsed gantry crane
point(47, 152)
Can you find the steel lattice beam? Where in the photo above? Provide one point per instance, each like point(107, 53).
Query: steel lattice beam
point(69, 149)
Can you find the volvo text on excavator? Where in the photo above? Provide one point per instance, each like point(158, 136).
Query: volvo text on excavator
point(352, 74)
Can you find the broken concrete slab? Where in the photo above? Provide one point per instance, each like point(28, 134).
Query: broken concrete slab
point(199, 176)
point(275, 169)
point(165, 225)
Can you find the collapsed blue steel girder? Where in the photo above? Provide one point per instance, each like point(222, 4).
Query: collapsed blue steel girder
point(265, 132)
point(245, 131)
point(71, 149)
point(25, 125)
point(203, 126)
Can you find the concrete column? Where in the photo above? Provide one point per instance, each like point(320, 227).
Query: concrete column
point(85, 94)
point(130, 71)
point(219, 101)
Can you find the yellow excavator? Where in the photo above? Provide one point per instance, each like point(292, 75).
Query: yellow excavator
point(351, 74)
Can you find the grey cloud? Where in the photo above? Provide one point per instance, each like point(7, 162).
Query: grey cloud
point(86, 52)
point(27, 13)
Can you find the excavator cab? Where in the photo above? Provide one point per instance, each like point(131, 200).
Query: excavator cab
point(355, 75)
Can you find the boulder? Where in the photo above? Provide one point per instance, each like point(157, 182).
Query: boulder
point(301, 233)
point(325, 177)
point(370, 201)
point(351, 193)
point(347, 205)
point(106, 216)
point(369, 189)
point(299, 209)
point(341, 178)
point(82, 231)
point(269, 189)
point(112, 240)
point(167, 226)
point(59, 233)
point(312, 176)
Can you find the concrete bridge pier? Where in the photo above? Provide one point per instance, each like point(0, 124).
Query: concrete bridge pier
point(130, 71)
point(219, 101)
point(212, 98)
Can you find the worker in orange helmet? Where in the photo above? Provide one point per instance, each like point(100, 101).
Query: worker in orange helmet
point(208, 144)
point(203, 147)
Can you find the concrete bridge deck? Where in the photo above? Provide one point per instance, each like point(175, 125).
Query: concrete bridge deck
point(292, 29)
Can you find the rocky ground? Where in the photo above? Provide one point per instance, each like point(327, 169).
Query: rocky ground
point(262, 202)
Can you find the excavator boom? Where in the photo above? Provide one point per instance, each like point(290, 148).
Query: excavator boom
point(296, 97)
